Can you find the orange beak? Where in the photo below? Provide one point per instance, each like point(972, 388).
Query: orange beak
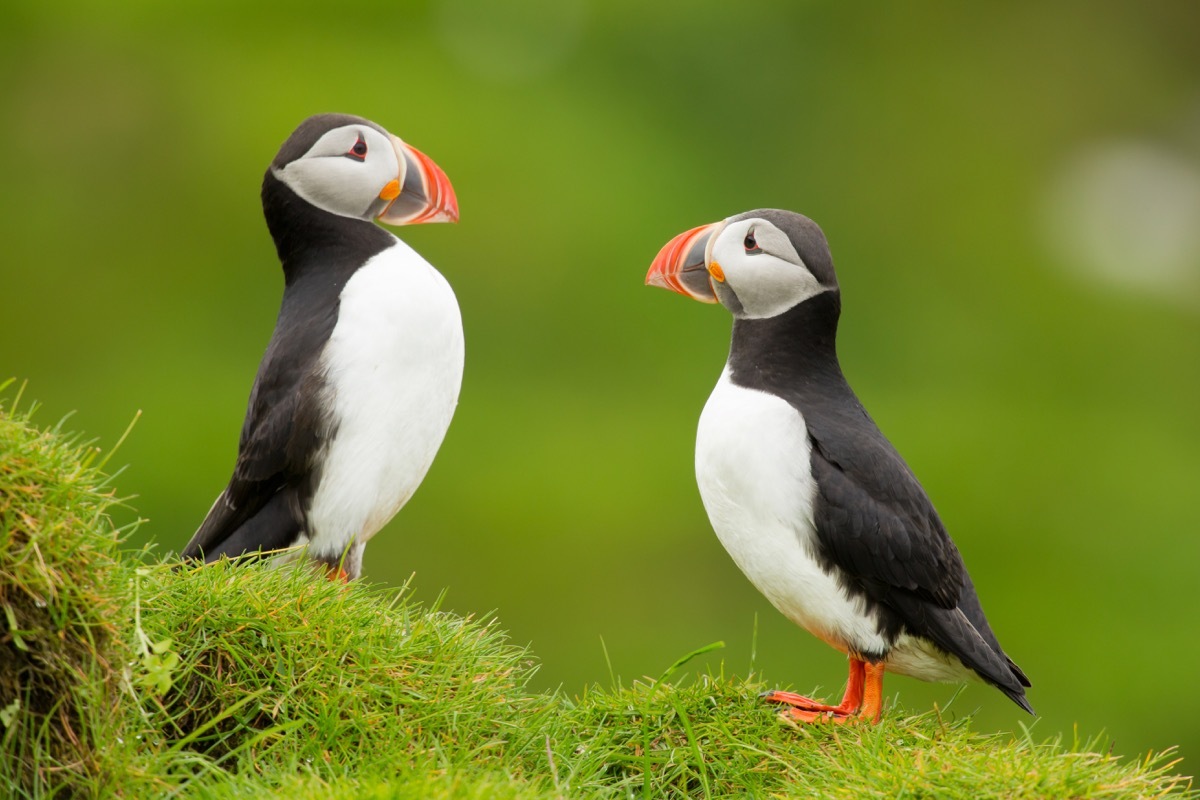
point(682, 264)
point(420, 193)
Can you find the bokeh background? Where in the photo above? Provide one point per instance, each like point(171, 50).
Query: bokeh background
point(1012, 194)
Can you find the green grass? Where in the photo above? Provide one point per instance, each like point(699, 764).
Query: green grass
point(60, 600)
point(124, 678)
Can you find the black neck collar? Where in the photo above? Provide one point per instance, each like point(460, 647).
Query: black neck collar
point(797, 347)
point(307, 238)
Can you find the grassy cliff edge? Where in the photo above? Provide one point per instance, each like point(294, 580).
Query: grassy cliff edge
point(120, 678)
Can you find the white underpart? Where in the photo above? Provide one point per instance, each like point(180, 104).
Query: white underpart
point(753, 469)
point(921, 659)
point(394, 366)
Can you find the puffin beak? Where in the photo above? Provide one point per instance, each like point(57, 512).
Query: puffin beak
point(682, 265)
point(420, 193)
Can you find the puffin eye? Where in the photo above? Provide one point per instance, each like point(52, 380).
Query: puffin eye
point(359, 151)
point(751, 244)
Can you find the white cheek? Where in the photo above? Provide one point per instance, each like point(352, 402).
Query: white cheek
point(765, 286)
point(341, 185)
point(773, 287)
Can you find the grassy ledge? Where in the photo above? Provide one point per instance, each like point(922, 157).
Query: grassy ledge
point(120, 678)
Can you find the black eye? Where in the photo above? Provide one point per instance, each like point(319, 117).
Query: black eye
point(751, 244)
point(359, 151)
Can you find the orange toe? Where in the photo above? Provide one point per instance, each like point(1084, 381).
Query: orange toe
point(798, 702)
point(863, 699)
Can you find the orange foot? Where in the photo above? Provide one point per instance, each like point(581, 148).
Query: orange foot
point(863, 699)
point(336, 574)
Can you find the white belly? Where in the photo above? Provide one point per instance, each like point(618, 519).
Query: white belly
point(752, 465)
point(394, 367)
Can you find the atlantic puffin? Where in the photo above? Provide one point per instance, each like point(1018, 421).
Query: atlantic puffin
point(814, 505)
point(362, 373)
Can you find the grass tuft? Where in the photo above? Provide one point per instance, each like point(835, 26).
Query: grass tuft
point(60, 593)
point(281, 667)
point(714, 737)
point(125, 679)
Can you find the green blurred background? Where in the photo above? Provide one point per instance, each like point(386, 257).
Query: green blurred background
point(1012, 195)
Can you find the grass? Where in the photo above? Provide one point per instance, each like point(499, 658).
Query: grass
point(60, 598)
point(125, 678)
point(283, 669)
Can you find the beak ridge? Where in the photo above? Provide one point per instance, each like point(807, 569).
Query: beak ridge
point(421, 193)
point(682, 265)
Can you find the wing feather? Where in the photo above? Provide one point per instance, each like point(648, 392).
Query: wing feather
point(280, 438)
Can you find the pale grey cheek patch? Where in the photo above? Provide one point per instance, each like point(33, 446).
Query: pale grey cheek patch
point(297, 178)
point(377, 207)
point(784, 287)
point(295, 181)
point(728, 298)
point(777, 243)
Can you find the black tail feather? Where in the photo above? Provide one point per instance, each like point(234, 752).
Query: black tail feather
point(952, 631)
point(274, 527)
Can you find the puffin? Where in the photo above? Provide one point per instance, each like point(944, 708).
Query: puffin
point(362, 373)
point(811, 501)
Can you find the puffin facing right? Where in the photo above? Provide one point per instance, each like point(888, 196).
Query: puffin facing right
point(812, 502)
point(361, 377)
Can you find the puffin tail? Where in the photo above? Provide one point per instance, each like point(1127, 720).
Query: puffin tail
point(272, 527)
point(949, 629)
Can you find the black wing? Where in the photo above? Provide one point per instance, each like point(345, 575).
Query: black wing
point(875, 522)
point(262, 507)
point(878, 527)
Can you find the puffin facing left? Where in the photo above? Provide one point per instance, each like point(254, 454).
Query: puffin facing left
point(362, 374)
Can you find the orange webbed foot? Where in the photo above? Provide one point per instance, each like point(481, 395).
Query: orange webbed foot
point(798, 702)
point(863, 699)
point(337, 574)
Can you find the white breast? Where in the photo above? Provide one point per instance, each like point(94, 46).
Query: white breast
point(394, 366)
point(753, 468)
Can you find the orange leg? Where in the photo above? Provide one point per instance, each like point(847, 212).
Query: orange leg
point(872, 706)
point(336, 574)
point(863, 698)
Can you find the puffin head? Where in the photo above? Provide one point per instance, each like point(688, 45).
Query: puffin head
point(758, 264)
point(351, 167)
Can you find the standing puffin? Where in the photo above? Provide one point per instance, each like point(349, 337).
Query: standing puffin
point(812, 502)
point(362, 374)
